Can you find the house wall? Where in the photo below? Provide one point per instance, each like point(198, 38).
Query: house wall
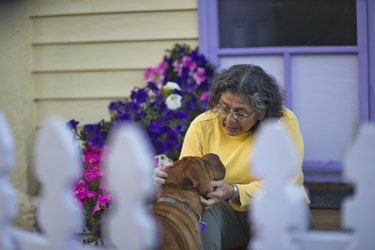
point(72, 58)
point(16, 98)
point(87, 53)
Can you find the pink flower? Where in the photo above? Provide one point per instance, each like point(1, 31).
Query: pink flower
point(188, 62)
point(149, 72)
point(204, 96)
point(91, 158)
point(93, 174)
point(199, 76)
point(103, 199)
point(82, 191)
point(161, 67)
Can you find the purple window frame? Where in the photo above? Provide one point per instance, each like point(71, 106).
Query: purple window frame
point(318, 171)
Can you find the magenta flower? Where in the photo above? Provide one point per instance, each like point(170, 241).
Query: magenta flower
point(103, 199)
point(188, 62)
point(91, 158)
point(199, 76)
point(93, 174)
point(148, 73)
point(204, 96)
point(161, 67)
point(82, 191)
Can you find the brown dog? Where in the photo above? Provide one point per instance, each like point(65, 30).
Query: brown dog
point(179, 207)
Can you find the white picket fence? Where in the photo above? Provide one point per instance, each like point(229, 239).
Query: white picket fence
point(59, 214)
point(278, 212)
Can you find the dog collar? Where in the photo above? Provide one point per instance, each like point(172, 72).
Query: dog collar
point(184, 205)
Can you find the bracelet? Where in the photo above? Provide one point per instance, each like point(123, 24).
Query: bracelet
point(234, 194)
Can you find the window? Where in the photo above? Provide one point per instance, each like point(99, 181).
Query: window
point(275, 23)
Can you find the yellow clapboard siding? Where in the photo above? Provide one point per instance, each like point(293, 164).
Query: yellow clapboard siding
point(112, 84)
point(101, 56)
point(48, 7)
point(85, 111)
point(116, 27)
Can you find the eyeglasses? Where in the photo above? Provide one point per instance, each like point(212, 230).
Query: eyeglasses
point(237, 115)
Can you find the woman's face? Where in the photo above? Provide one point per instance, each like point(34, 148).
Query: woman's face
point(236, 113)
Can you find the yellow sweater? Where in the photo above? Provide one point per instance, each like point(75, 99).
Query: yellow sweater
point(206, 135)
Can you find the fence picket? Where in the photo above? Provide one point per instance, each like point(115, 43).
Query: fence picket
point(57, 166)
point(130, 170)
point(8, 205)
point(360, 169)
point(275, 162)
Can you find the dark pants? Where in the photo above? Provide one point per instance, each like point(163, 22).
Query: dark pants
point(225, 228)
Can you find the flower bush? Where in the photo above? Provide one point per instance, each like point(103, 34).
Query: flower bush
point(175, 93)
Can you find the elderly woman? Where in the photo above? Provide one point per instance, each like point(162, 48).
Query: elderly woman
point(241, 97)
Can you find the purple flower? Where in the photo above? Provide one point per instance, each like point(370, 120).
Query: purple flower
point(97, 140)
point(73, 124)
point(140, 116)
point(139, 95)
point(169, 145)
point(181, 115)
point(180, 127)
point(132, 107)
point(204, 86)
point(124, 116)
point(158, 105)
point(90, 128)
point(115, 105)
point(152, 86)
point(169, 133)
point(199, 59)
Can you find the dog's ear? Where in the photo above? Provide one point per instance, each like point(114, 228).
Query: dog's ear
point(214, 163)
point(197, 177)
point(191, 179)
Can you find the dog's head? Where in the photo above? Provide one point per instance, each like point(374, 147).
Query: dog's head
point(196, 173)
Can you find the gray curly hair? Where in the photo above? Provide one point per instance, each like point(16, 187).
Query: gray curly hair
point(252, 82)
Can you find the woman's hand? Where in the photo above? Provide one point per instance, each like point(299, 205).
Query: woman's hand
point(222, 191)
point(159, 176)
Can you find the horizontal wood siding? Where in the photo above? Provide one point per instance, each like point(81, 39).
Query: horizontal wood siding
point(101, 56)
point(87, 53)
point(69, 7)
point(83, 85)
point(116, 27)
point(81, 110)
